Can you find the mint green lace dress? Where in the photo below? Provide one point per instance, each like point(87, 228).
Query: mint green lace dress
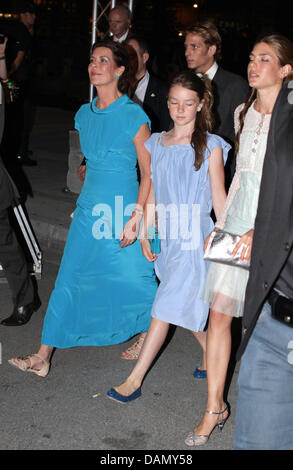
point(225, 286)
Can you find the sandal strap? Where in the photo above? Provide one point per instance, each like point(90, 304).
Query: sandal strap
point(217, 412)
point(29, 358)
point(136, 347)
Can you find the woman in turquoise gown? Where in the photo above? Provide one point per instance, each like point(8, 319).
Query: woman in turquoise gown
point(105, 287)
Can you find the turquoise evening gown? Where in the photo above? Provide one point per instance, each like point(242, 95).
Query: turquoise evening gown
point(103, 293)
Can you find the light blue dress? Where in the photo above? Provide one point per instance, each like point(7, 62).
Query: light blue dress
point(103, 293)
point(184, 227)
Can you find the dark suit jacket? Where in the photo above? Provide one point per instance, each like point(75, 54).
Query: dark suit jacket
point(155, 105)
point(229, 90)
point(273, 231)
point(8, 191)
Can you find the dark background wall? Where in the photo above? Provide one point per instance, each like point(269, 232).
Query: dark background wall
point(63, 37)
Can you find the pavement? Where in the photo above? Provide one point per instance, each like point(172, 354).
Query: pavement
point(60, 412)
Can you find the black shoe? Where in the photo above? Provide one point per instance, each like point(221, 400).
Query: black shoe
point(21, 315)
point(66, 190)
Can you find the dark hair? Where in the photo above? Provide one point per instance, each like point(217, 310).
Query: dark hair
point(133, 66)
point(204, 122)
point(283, 49)
point(210, 35)
point(121, 58)
point(142, 43)
point(26, 7)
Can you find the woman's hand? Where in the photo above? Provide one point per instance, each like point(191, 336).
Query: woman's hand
point(146, 250)
point(81, 172)
point(245, 243)
point(131, 229)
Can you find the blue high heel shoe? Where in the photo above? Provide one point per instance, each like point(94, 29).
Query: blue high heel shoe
point(114, 395)
point(199, 373)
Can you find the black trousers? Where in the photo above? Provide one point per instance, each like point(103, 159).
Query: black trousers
point(17, 126)
point(13, 262)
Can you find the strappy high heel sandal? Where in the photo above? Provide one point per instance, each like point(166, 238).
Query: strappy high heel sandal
point(28, 367)
point(195, 440)
point(132, 353)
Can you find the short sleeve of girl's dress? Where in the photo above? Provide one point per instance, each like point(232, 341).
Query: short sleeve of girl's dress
point(135, 118)
point(150, 143)
point(150, 146)
point(214, 141)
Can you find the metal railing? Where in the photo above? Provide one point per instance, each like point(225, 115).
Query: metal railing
point(96, 18)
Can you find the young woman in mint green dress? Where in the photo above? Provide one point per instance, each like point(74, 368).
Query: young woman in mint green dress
point(225, 285)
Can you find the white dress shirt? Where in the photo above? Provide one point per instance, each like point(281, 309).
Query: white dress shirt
point(211, 72)
point(122, 37)
point(141, 88)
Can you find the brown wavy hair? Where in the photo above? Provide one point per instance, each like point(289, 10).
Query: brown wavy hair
point(204, 120)
point(121, 58)
point(283, 49)
point(209, 34)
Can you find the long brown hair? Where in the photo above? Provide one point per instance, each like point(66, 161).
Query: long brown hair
point(121, 58)
point(283, 49)
point(204, 122)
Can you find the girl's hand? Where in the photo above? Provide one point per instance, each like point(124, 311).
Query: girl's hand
point(245, 243)
point(146, 250)
point(131, 229)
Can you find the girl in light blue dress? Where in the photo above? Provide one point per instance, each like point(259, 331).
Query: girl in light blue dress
point(187, 182)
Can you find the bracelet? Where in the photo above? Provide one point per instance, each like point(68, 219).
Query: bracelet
point(140, 211)
point(2, 57)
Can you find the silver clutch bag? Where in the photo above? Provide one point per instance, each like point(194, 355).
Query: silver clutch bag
point(220, 247)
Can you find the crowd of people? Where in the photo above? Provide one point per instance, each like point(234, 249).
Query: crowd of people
point(211, 152)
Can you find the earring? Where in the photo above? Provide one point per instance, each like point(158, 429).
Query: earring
point(117, 75)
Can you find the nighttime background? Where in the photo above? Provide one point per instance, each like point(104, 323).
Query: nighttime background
point(63, 37)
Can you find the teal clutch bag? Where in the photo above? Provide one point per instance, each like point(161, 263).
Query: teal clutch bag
point(153, 236)
point(155, 242)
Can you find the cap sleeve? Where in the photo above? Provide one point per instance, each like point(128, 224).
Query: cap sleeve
point(136, 117)
point(78, 118)
point(151, 142)
point(217, 141)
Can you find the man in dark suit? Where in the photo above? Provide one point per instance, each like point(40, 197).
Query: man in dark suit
point(12, 258)
point(150, 92)
point(264, 418)
point(203, 53)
